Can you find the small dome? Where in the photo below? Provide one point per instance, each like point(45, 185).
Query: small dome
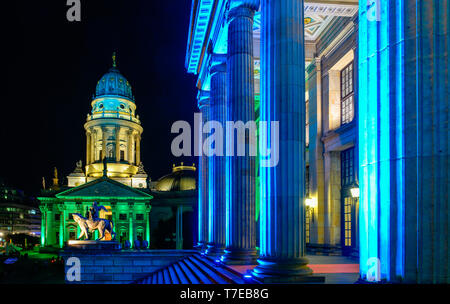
point(114, 83)
point(182, 178)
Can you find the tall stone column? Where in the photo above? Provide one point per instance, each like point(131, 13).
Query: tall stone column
point(79, 209)
point(179, 228)
point(138, 149)
point(148, 208)
point(50, 234)
point(93, 145)
point(203, 177)
point(130, 146)
point(103, 143)
point(332, 199)
point(117, 144)
point(316, 167)
point(217, 172)
point(88, 148)
point(62, 225)
point(404, 141)
point(240, 237)
point(131, 224)
point(282, 235)
point(43, 209)
point(114, 215)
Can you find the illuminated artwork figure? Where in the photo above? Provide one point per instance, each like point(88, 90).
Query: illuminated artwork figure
point(94, 223)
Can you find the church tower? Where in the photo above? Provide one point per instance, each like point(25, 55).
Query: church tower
point(113, 131)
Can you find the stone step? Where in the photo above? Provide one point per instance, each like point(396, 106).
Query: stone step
point(193, 270)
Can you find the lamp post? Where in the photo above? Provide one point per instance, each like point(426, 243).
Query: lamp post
point(354, 190)
point(311, 203)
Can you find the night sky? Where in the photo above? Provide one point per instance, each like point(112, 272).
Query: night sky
point(52, 68)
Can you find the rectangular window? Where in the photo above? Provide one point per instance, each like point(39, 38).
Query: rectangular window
point(307, 181)
point(307, 123)
point(122, 155)
point(307, 224)
point(123, 216)
point(57, 216)
point(347, 167)
point(139, 217)
point(347, 93)
point(348, 221)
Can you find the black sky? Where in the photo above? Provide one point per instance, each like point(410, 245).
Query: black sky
point(52, 67)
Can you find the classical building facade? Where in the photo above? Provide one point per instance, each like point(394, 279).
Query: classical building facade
point(114, 177)
point(359, 91)
point(113, 131)
point(331, 139)
point(127, 207)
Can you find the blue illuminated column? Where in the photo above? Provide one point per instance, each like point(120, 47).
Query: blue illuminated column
point(240, 199)
point(217, 172)
point(179, 228)
point(282, 222)
point(403, 139)
point(203, 178)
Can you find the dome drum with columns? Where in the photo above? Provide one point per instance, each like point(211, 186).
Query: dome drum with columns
point(113, 131)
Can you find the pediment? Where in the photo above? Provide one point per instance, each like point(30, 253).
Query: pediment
point(101, 188)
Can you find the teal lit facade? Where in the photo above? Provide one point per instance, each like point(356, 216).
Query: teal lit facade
point(369, 177)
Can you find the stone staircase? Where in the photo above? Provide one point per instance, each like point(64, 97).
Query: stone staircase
point(194, 269)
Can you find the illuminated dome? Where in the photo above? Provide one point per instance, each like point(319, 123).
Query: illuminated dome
point(114, 83)
point(182, 178)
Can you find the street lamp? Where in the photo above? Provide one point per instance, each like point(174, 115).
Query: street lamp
point(311, 203)
point(354, 190)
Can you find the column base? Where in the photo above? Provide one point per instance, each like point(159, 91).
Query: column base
point(200, 246)
point(239, 257)
point(291, 271)
point(213, 251)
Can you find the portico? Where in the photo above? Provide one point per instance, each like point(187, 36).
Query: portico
point(127, 208)
point(336, 131)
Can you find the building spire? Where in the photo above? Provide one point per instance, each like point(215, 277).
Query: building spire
point(114, 59)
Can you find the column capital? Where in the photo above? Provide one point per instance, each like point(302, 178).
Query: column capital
point(217, 63)
point(203, 98)
point(242, 8)
point(318, 61)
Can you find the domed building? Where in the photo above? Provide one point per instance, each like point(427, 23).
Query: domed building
point(173, 217)
point(182, 178)
point(113, 131)
point(114, 177)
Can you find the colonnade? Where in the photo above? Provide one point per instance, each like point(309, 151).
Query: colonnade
point(227, 183)
point(130, 136)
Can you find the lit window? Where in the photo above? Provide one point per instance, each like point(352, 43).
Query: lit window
point(307, 181)
point(347, 167)
point(347, 92)
point(307, 123)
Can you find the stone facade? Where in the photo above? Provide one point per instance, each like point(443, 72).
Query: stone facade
point(120, 267)
point(374, 120)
